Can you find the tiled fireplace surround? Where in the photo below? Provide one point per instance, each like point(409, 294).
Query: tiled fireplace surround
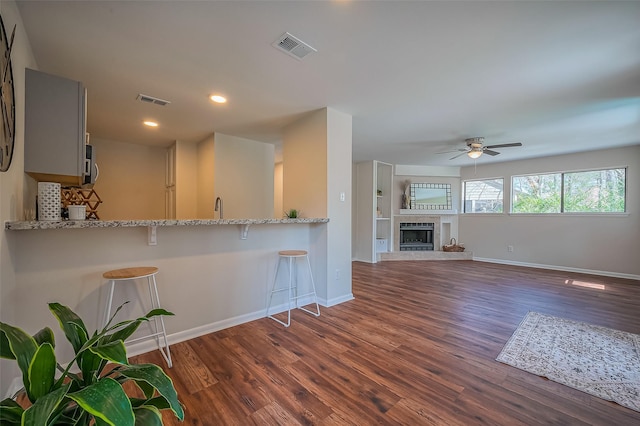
point(441, 235)
point(437, 228)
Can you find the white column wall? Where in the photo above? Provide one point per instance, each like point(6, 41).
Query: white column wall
point(339, 143)
point(317, 168)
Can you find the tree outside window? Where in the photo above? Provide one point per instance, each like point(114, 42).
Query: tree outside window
point(594, 191)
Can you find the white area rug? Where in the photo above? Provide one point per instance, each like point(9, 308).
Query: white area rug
point(597, 360)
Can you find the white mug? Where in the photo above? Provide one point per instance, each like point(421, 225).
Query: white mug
point(77, 212)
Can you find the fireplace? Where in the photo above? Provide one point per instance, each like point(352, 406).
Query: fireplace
point(416, 236)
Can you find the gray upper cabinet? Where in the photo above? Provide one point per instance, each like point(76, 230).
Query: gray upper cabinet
point(55, 128)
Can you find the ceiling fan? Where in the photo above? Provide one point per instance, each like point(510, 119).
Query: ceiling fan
point(475, 148)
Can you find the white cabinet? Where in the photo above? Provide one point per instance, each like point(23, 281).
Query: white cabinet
point(55, 128)
point(374, 200)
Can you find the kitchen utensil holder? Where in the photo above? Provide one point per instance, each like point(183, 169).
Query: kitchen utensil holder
point(49, 201)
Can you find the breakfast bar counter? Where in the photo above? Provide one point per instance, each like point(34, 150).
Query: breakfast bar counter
point(212, 273)
point(76, 224)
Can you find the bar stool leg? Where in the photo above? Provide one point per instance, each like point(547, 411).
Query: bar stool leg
point(166, 352)
point(274, 290)
point(292, 288)
point(315, 296)
point(107, 312)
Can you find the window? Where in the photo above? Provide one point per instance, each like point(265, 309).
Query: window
point(483, 196)
point(595, 191)
point(536, 193)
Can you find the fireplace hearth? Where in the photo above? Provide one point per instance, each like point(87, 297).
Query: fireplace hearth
point(416, 236)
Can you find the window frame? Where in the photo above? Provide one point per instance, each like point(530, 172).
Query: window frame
point(562, 211)
point(464, 195)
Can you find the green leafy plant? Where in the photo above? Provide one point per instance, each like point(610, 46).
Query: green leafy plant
point(292, 213)
point(95, 395)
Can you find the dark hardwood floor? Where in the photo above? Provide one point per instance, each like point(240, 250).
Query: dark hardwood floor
point(417, 346)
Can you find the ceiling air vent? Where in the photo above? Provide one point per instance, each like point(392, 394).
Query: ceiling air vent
point(151, 100)
point(293, 46)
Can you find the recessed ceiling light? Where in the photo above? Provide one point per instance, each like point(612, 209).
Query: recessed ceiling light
point(218, 99)
point(151, 123)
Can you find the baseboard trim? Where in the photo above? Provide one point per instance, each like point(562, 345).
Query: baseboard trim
point(14, 387)
point(181, 336)
point(337, 300)
point(559, 268)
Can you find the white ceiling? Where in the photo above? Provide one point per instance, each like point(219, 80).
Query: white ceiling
point(418, 77)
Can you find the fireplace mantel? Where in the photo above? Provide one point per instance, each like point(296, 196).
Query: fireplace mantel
point(428, 212)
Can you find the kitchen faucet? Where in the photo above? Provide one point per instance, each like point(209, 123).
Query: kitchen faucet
point(218, 206)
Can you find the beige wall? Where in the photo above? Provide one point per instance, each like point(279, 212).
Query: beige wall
point(304, 155)
point(597, 243)
point(131, 181)
point(186, 180)
point(243, 176)
point(278, 209)
point(209, 277)
point(239, 170)
point(206, 200)
point(16, 189)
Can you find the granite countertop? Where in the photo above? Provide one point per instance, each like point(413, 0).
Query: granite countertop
point(77, 224)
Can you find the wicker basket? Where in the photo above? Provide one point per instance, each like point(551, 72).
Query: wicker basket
point(453, 246)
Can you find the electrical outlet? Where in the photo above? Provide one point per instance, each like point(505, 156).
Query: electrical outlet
point(152, 235)
point(510, 249)
point(338, 274)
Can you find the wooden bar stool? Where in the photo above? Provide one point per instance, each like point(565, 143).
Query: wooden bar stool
point(129, 274)
point(291, 256)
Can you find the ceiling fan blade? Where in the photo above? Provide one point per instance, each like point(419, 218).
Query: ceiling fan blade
point(489, 152)
point(456, 156)
point(504, 145)
point(453, 150)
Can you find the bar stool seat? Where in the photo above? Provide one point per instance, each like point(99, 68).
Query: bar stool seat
point(131, 274)
point(290, 256)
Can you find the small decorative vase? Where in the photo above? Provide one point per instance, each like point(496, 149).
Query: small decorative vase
point(405, 201)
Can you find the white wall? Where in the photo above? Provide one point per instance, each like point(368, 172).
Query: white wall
point(131, 180)
point(339, 152)
point(243, 176)
point(598, 243)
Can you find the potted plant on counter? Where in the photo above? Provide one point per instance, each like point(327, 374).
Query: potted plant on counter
point(94, 395)
point(292, 213)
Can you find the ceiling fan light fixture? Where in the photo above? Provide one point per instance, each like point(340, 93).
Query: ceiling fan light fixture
point(219, 99)
point(475, 153)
